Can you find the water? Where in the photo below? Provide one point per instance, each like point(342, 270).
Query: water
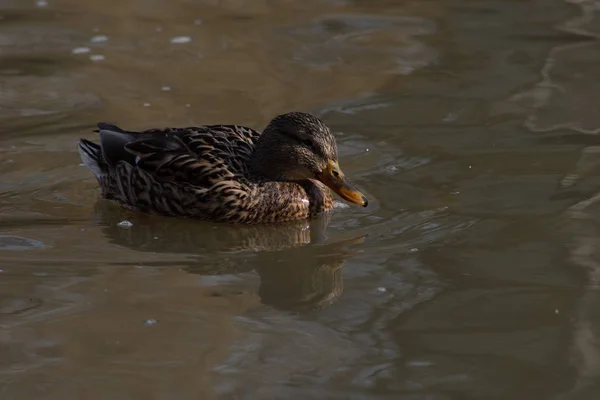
point(473, 273)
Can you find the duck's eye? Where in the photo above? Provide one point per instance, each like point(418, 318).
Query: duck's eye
point(307, 142)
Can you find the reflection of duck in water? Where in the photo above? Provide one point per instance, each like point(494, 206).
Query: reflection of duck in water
point(299, 267)
point(224, 173)
point(289, 282)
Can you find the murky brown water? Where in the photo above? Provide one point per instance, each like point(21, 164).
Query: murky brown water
point(473, 274)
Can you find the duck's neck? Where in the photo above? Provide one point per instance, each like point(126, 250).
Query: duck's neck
point(268, 161)
point(262, 166)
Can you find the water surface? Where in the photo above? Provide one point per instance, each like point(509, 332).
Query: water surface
point(473, 273)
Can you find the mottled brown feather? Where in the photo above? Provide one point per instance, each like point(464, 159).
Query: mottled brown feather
point(200, 172)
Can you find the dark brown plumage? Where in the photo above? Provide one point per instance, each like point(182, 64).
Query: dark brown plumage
point(225, 173)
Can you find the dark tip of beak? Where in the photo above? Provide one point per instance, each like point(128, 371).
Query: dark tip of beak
point(365, 201)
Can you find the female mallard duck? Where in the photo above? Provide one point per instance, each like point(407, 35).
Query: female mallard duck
point(225, 173)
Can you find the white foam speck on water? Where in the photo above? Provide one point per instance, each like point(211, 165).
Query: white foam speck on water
point(96, 57)
point(188, 105)
point(99, 39)
point(450, 117)
point(166, 88)
point(150, 322)
point(80, 50)
point(158, 29)
point(180, 39)
point(41, 3)
point(198, 22)
point(147, 104)
point(339, 204)
point(125, 224)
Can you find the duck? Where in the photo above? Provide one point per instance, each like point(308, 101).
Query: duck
point(222, 173)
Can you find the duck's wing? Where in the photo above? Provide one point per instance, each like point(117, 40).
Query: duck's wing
point(199, 156)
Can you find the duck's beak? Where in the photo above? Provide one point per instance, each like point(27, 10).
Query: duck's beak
point(334, 178)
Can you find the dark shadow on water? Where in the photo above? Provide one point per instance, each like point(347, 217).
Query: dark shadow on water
point(300, 268)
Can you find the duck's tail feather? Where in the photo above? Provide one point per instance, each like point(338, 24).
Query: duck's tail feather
point(113, 142)
point(91, 155)
point(103, 126)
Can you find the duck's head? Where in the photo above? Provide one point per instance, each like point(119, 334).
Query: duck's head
point(297, 146)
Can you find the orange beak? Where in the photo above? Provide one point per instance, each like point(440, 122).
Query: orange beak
point(334, 178)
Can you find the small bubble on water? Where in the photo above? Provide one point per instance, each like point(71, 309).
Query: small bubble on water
point(166, 88)
point(198, 22)
point(96, 57)
point(155, 238)
point(80, 50)
point(367, 149)
point(1, 270)
point(125, 224)
point(556, 311)
point(99, 39)
point(158, 29)
point(188, 105)
point(41, 3)
point(147, 104)
point(180, 39)
point(381, 289)
point(413, 250)
point(150, 322)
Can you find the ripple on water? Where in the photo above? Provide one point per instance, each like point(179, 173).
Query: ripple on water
point(8, 242)
point(341, 39)
point(28, 95)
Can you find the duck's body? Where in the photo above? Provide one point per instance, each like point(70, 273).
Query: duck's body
point(213, 172)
